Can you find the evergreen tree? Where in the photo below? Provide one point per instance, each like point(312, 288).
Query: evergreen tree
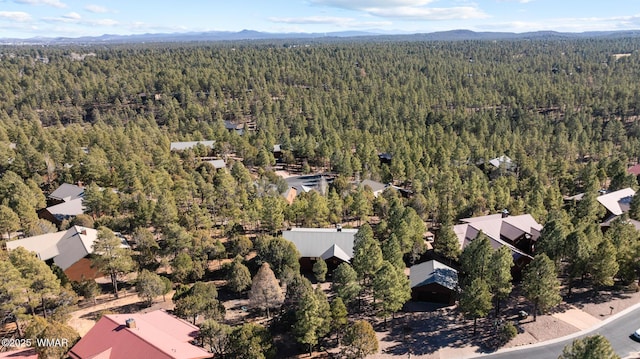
point(553, 238)
point(238, 277)
point(320, 270)
point(475, 259)
point(540, 284)
point(339, 318)
point(603, 264)
point(360, 340)
point(149, 285)
point(392, 253)
point(199, 299)
point(475, 301)
point(500, 275)
point(392, 288)
point(367, 255)
point(215, 337)
point(251, 341)
point(345, 283)
point(446, 243)
point(110, 258)
point(591, 347)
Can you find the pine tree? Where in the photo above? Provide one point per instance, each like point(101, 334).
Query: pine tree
point(500, 275)
point(540, 284)
point(446, 243)
point(345, 283)
point(392, 253)
point(475, 258)
point(265, 290)
point(149, 285)
point(339, 318)
point(392, 288)
point(320, 270)
point(238, 277)
point(475, 301)
point(591, 347)
point(360, 340)
point(603, 264)
point(110, 257)
point(367, 255)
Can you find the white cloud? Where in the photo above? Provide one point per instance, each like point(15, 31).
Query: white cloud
point(630, 22)
point(406, 9)
point(15, 16)
point(72, 16)
point(96, 9)
point(425, 13)
point(54, 3)
point(365, 4)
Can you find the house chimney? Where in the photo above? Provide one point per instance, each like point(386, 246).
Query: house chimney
point(83, 232)
point(339, 227)
point(130, 323)
point(505, 213)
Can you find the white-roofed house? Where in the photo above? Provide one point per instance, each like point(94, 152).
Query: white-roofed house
point(66, 202)
point(334, 245)
point(67, 249)
point(617, 202)
point(518, 233)
point(181, 146)
point(433, 281)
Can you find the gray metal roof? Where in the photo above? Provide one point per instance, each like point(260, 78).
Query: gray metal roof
point(374, 185)
point(67, 209)
point(217, 164)
point(180, 146)
point(433, 272)
point(67, 192)
point(320, 242)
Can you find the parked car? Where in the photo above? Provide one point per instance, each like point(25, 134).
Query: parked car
point(636, 334)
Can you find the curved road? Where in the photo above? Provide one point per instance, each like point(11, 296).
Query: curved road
point(618, 331)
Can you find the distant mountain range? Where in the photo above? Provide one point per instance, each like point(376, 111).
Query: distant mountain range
point(453, 35)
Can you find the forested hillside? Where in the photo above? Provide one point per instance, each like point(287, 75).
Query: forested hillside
point(566, 112)
point(438, 107)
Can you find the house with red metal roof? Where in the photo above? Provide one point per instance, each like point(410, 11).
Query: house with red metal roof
point(156, 334)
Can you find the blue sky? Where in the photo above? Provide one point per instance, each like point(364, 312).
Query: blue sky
point(31, 18)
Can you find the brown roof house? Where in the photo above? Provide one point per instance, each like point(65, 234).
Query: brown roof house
point(433, 281)
point(67, 249)
point(334, 245)
point(518, 233)
point(156, 335)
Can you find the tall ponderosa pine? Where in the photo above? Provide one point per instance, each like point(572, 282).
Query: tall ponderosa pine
point(475, 301)
point(603, 264)
point(446, 243)
point(110, 258)
point(391, 288)
point(345, 283)
point(476, 258)
point(500, 275)
point(541, 285)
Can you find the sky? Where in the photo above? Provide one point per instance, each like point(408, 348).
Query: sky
point(74, 18)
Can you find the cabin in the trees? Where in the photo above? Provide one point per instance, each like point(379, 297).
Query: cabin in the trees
point(66, 202)
point(155, 334)
point(518, 233)
point(376, 187)
point(616, 202)
point(182, 146)
point(67, 249)
point(218, 164)
point(334, 245)
point(433, 281)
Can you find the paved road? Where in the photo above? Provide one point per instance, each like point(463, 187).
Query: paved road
point(617, 332)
